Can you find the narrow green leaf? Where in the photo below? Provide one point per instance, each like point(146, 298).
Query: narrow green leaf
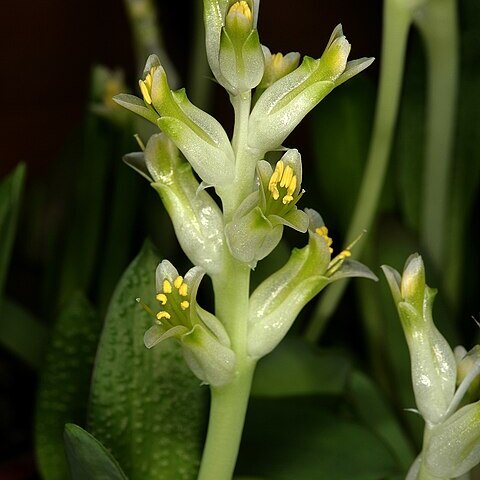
point(87, 213)
point(65, 383)
point(409, 143)
point(10, 193)
point(309, 439)
point(15, 323)
point(297, 368)
point(372, 408)
point(342, 130)
point(146, 406)
point(88, 458)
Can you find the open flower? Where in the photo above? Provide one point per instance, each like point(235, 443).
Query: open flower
point(205, 343)
point(257, 226)
point(275, 304)
point(198, 135)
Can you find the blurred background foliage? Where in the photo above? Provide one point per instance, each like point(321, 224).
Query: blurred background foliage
point(79, 216)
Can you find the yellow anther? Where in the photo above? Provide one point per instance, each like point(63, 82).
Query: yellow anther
point(183, 290)
point(145, 91)
point(272, 185)
point(184, 305)
point(243, 8)
point(275, 178)
point(344, 254)
point(167, 286)
point(323, 232)
point(277, 60)
point(162, 298)
point(146, 85)
point(287, 199)
point(177, 283)
point(163, 314)
point(292, 185)
point(287, 177)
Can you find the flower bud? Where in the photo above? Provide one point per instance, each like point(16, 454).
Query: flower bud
point(219, 14)
point(241, 59)
point(196, 218)
point(277, 66)
point(432, 361)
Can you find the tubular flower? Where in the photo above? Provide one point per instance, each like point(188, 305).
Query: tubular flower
point(205, 343)
point(275, 304)
point(433, 363)
point(284, 104)
point(197, 220)
point(197, 134)
point(257, 225)
point(233, 47)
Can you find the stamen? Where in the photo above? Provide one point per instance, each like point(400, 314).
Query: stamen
point(292, 185)
point(287, 199)
point(277, 59)
point(163, 314)
point(287, 176)
point(162, 298)
point(323, 232)
point(167, 286)
point(344, 254)
point(178, 282)
point(184, 305)
point(183, 290)
point(145, 92)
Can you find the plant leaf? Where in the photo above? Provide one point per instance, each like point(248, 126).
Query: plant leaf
point(10, 192)
point(297, 368)
point(88, 458)
point(15, 321)
point(373, 409)
point(65, 383)
point(146, 406)
point(309, 439)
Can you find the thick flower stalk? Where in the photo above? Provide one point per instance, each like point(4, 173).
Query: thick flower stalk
point(225, 240)
point(443, 382)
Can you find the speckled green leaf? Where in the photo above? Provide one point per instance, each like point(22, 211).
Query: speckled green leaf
point(88, 458)
point(146, 406)
point(65, 383)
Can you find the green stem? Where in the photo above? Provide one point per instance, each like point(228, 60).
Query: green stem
point(245, 158)
point(232, 292)
point(229, 403)
point(438, 24)
point(227, 414)
point(396, 24)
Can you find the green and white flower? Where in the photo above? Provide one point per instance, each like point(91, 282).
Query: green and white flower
point(205, 343)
